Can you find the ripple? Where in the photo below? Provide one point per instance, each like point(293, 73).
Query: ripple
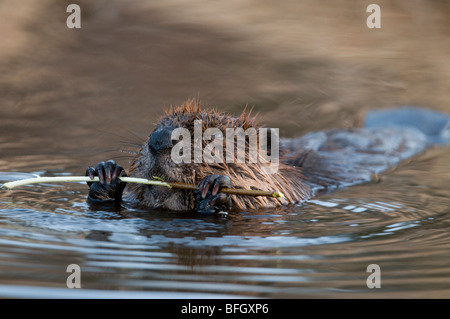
point(16, 291)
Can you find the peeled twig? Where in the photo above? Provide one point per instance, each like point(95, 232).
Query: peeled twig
point(231, 191)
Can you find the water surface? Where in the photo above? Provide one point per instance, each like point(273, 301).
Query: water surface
point(320, 248)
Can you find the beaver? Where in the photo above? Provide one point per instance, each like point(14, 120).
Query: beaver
point(317, 162)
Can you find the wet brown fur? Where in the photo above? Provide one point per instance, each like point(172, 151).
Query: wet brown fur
point(288, 179)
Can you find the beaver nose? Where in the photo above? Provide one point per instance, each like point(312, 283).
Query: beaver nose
point(160, 139)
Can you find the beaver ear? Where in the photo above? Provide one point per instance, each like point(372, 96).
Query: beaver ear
point(160, 139)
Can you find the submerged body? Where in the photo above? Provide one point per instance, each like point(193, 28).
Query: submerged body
point(316, 162)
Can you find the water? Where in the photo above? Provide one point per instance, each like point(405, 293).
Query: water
point(318, 249)
point(63, 109)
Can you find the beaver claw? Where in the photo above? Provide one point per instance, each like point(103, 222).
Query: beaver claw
point(109, 187)
point(208, 199)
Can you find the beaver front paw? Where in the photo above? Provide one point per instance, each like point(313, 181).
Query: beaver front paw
point(110, 187)
point(208, 198)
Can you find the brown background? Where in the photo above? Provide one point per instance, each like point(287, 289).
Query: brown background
point(303, 65)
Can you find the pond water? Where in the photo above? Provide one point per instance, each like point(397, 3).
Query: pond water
point(321, 248)
point(69, 100)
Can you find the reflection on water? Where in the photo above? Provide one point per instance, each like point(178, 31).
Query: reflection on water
point(318, 249)
point(69, 99)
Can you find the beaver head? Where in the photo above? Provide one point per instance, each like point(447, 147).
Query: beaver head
point(203, 151)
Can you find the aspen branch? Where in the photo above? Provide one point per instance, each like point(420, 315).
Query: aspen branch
point(179, 185)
